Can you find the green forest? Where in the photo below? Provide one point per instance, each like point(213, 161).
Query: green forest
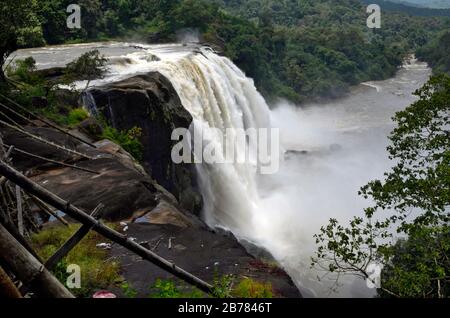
point(299, 50)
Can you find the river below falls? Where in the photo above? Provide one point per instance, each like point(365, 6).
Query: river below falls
point(334, 148)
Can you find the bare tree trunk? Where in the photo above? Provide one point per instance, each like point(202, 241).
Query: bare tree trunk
point(28, 269)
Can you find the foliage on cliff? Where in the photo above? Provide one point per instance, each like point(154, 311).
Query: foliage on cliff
point(19, 27)
point(437, 53)
point(412, 203)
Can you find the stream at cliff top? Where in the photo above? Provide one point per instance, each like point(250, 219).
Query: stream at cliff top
point(334, 147)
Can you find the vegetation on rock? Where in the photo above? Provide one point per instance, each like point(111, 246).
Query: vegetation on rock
point(97, 271)
point(128, 140)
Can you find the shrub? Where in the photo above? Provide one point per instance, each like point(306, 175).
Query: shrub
point(96, 271)
point(24, 71)
point(249, 288)
point(88, 66)
point(128, 290)
point(128, 140)
point(168, 289)
point(222, 285)
point(76, 116)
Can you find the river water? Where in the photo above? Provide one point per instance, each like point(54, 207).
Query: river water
point(333, 148)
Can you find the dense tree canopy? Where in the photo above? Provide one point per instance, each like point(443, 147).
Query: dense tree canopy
point(297, 49)
point(19, 27)
point(436, 53)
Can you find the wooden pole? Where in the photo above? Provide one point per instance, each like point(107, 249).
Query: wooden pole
point(7, 287)
point(19, 210)
point(54, 161)
point(72, 241)
point(12, 229)
point(42, 140)
point(79, 215)
point(28, 269)
point(45, 121)
point(44, 207)
point(2, 150)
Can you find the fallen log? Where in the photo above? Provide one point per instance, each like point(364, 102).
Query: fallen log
point(19, 211)
point(28, 269)
point(84, 218)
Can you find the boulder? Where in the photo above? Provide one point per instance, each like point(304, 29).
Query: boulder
point(150, 102)
point(121, 183)
point(91, 127)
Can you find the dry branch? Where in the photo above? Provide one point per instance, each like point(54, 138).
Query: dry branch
point(72, 241)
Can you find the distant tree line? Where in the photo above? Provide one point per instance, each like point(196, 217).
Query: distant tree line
point(296, 49)
point(409, 9)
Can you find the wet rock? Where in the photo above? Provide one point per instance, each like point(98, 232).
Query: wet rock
point(201, 252)
point(65, 97)
point(51, 73)
point(91, 127)
point(290, 154)
point(39, 102)
point(121, 185)
point(166, 213)
point(151, 103)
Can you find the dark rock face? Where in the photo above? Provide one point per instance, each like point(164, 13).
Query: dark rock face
point(150, 102)
point(125, 191)
point(201, 252)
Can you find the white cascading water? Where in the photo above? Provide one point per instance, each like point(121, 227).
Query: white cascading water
point(219, 95)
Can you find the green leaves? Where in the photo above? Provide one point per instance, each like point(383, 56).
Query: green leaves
point(88, 66)
point(19, 27)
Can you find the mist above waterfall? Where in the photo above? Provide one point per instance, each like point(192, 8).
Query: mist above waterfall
point(188, 36)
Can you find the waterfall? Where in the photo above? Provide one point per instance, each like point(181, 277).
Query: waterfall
point(88, 102)
point(219, 95)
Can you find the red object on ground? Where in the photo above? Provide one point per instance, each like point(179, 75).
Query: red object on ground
point(104, 294)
